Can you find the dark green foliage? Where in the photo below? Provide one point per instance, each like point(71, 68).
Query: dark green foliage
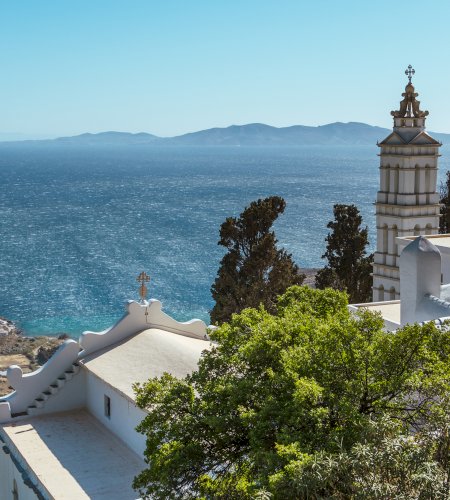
point(348, 266)
point(444, 191)
point(311, 402)
point(253, 271)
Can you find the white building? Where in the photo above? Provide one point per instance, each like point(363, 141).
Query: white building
point(68, 429)
point(407, 202)
point(424, 283)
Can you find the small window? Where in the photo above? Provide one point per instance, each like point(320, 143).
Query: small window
point(107, 406)
point(15, 492)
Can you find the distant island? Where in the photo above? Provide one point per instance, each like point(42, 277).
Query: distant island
point(253, 134)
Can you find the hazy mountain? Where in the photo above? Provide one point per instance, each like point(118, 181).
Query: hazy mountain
point(17, 136)
point(254, 134)
point(107, 138)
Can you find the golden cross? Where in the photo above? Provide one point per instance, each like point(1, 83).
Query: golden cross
point(143, 278)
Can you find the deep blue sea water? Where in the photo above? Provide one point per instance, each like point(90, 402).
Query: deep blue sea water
point(77, 225)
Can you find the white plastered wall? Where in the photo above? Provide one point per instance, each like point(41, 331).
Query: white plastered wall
point(8, 474)
point(125, 415)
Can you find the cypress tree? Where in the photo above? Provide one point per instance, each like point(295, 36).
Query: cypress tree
point(253, 271)
point(348, 266)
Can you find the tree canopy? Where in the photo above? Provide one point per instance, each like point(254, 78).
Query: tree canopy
point(348, 266)
point(253, 271)
point(310, 402)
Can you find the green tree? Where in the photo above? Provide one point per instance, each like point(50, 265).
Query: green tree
point(444, 191)
point(310, 402)
point(348, 265)
point(253, 271)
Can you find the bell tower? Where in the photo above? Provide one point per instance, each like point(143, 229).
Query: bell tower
point(407, 202)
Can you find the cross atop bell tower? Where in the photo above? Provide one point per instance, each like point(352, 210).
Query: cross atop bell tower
point(409, 72)
point(407, 202)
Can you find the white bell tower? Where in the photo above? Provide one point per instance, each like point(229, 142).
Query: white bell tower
point(407, 202)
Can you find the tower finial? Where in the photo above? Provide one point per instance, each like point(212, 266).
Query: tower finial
point(410, 106)
point(409, 72)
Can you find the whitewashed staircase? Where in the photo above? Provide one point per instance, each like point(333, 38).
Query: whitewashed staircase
point(53, 388)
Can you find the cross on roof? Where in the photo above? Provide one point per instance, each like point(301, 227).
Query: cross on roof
point(143, 278)
point(409, 72)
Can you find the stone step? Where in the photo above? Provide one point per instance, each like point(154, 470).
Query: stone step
point(39, 403)
point(20, 414)
point(45, 395)
point(32, 410)
point(61, 381)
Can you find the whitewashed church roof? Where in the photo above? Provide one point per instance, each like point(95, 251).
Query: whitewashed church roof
point(390, 310)
point(145, 355)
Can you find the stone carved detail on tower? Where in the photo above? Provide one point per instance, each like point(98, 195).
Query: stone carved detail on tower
point(410, 106)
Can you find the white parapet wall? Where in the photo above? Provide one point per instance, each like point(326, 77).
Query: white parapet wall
point(140, 317)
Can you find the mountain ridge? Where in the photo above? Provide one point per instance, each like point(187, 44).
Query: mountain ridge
point(251, 134)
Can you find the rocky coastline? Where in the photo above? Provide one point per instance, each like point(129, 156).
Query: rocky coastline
point(27, 352)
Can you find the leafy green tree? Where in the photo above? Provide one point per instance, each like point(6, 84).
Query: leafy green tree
point(253, 271)
point(390, 467)
point(310, 402)
point(348, 265)
point(444, 191)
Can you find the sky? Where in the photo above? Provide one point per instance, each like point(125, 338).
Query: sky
point(176, 66)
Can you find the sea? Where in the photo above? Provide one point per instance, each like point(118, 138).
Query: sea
point(78, 224)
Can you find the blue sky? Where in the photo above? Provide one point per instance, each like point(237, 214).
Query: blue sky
point(169, 67)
